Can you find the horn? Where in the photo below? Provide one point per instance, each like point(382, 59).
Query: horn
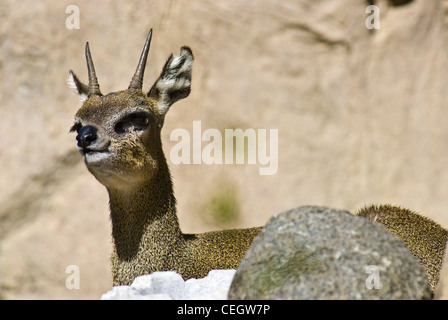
point(94, 87)
point(137, 79)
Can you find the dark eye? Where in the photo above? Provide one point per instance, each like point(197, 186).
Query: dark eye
point(141, 121)
point(133, 122)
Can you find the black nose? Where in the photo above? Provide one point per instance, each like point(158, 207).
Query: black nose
point(86, 135)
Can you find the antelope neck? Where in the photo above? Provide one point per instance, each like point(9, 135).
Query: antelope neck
point(146, 210)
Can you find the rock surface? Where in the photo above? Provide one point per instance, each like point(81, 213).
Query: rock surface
point(323, 253)
point(169, 285)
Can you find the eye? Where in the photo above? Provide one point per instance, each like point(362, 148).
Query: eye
point(133, 122)
point(141, 121)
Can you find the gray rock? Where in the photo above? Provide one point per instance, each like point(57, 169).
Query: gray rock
point(323, 253)
point(169, 285)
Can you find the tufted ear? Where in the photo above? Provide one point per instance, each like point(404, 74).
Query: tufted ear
point(174, 82)
point(80, 88)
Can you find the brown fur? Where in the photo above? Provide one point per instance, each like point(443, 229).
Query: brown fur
point(145, 228)
point(424, 238)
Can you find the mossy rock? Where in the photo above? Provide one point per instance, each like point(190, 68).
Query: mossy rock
point(324, 253)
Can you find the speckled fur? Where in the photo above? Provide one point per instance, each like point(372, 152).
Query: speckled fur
point(145, 229)
point(425, 238)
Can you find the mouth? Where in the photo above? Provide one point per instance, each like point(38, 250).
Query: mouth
point(92, 156)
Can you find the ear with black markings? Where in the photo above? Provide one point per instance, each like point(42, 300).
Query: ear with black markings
point(174, 82)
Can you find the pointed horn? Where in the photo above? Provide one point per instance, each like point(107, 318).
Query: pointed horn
point(137, 79)
point(94, 87)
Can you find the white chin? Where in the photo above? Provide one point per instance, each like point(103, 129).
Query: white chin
point(95, 157)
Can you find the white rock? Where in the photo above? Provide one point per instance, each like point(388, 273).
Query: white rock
point(121, 293)
point(169, 285)
point(215, 286)
point(167, 282)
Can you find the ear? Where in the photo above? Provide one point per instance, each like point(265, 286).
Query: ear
point(174, 82)
point(74, 83)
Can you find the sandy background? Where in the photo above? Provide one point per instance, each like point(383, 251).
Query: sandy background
point(361, 117)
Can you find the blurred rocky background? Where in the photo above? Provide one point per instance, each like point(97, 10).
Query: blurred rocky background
point(361, 117)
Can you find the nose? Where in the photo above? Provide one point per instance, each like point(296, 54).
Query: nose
point(86, 136)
